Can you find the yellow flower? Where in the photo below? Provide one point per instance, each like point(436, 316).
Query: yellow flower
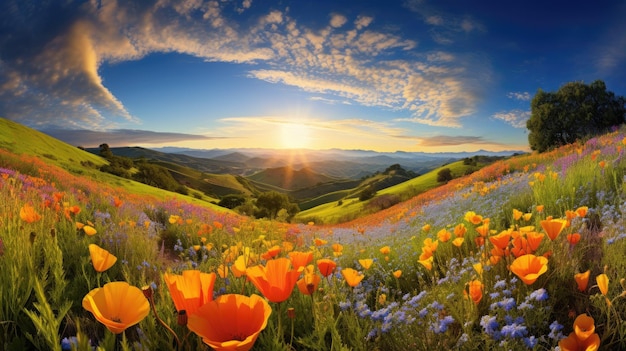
point(352, 277)
point(366, 263)
point(385, 250)
point(397, 274)
point(89, 230)
point(231, 322)
point(101, 258)
point(603, 283)
point(28, 214)
point(117, 305)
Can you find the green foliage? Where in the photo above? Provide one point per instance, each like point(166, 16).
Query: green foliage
point(444, 175)
point(367, 193)
point(271, 202)
point(575, 111)
point(232, 201)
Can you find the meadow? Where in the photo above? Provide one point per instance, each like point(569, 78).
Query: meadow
point(524, 254)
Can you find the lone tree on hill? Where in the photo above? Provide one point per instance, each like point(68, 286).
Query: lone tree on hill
point(575, 111)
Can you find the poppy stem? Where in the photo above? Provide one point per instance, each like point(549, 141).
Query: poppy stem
point(156, 315)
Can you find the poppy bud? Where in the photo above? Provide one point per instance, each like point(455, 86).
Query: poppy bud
point(32, 237)
point(147, 292)
point(182, 318)
point(291, 312)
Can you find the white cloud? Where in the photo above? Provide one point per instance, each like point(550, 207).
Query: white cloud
point(519, 95)
point(516, 118)
point(337, 20)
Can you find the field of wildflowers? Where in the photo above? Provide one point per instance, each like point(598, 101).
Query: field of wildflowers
point(526, 254)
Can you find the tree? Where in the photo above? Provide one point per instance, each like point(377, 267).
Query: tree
point(574, 112)
point(444, 175)
point(367, 193)
point(269, 203)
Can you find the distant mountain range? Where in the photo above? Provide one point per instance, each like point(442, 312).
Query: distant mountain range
point(336, 163)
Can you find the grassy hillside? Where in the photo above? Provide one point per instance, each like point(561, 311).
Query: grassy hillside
point(328, 209)
point(289, 178)
point(21, 140)
point(523, 254)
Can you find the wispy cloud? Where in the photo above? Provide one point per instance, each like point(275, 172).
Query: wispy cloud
point(516, 118)
point(120, 137)
point(519, 95)
point(54, 80)
point(446, 140)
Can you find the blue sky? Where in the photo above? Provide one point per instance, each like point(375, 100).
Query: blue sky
point(413, 75)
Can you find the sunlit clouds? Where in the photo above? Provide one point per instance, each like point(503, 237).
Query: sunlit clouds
point(408, 70)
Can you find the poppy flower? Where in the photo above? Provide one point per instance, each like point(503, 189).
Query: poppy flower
point(89, 230)
point(584, 327)
point(101, 258)
point(309, 282)
point(572, 343)
point(473, 218)
point(573, 238)
point(458, 241)
point(426, 228)
point(460, 230)
point(28, 214)
point(352, 276)
point(501, 241)
point(582, 280)
point(427, 263)
point(300, 259)
point(517, 214)
point(231, 321)
point(190, 290)
point(582, 211)
point(534, 239)
point(366, 263)
point(320, 242)
point(540, 208)
point(553, 227)
point(271, 252)
point(603, 283)
point(117, 305)
point(275, 280)
point(326, 266)
point(385, 250)
point(475, 290)
point(444, 235)
point(397, 274)
point(483, 229)
point(529, 267)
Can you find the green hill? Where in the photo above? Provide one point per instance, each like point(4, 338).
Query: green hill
point(345, 205)
point(22, 140)
point(289, 178)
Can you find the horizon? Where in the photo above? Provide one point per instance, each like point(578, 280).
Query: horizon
point(414, 76)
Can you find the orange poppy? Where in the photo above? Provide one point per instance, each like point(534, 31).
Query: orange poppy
point(366, 263)
point(572, 343)
point(475, 290)
point(300, 259)
point(553, 227)
point(534, 239)
point(458, 241)
point(326, 266)
point(582, 280)
point(101, 258)
point(473, 218)
point(520, 247)
point(89, 230)
point(501, 241)
point(28, 214)
point(426, 228)
point(582, 211)
point(190, 290)
point(309, 282)
point(352, 276)
point(385, 250)
point(540, 208)
point(483, 229)
point(271, 252)
point(320, 242)
point(573, 238)
point(427, 262)
point(444, 235)
point(231, 321)
point(529, 267)
point(584, 327)
point(117, 305)
point(397, 274)
point(275, 280)
point(517, 214)
point(460, 230)
point(337, 247)
point(603, 283)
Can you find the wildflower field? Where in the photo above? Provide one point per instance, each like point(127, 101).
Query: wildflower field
point(525, 254)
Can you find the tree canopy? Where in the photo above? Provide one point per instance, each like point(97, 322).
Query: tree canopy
point(575, 111)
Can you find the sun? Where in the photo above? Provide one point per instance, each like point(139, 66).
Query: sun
point(295, 136)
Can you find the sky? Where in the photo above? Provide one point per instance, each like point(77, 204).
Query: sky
point(406, 75)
